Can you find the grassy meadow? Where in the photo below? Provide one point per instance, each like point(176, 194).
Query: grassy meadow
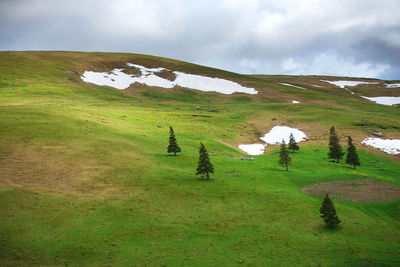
point(85, 179)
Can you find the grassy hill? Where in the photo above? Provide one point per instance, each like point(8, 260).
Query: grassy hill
point(85, 178)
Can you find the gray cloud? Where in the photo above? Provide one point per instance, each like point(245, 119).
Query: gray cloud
point(343, 37)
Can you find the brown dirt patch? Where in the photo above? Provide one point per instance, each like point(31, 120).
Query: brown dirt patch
point(166, 74)
point(357, 191)
point(47, 168)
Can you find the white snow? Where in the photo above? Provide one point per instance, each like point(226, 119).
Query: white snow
point(319, 86)
point(392, 85)
point(342, 84)
point(253, 149)
point(288, 84)
point(116, 78)
point(384, 100)
point(209, 84)
point(295, 102)
point(274, 136)
point(277, 133)
point(390, 146)
point(120, 80)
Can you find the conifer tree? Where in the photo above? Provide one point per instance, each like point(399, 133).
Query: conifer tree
point(335, 149)
point(328, 212)
point(204, 167)
point(284, 158)
point(173, 145)
point(352, 156)
point(292, 143)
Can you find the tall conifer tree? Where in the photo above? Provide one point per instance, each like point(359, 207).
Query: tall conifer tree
point(352, 156)
point(173, 145)
point(335, 149)
point(284, 158)
point(292, 143)
point(328, 212)
point(204, 167)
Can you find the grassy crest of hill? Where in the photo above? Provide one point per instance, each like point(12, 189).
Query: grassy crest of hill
point(85, 178)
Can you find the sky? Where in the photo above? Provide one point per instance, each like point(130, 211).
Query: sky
point(356, 38)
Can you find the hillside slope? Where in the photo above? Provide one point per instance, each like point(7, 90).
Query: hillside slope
point(85, 178)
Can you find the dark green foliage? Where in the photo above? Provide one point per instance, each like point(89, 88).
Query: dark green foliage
point(173, 145)
point(205, 167)
point(352, 156)
point(335, 149)
point(292, 143)
point(284, 158)
point(328, 212)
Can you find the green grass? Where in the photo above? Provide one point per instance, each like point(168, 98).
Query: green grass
point(158, 212)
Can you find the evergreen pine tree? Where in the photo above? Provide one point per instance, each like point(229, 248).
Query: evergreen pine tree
point(292, 143)
point(284, 158)
point(204, 167)
point(335, 149)
point(352, 156)
point(173, 145)
point(328, 212)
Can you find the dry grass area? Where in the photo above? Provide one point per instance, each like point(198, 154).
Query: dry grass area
point(45, 168)
point(166, 74)
point(357, 191)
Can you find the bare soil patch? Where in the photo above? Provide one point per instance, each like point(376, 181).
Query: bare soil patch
point(166, 74)
point(357, 191)
point(45, 168)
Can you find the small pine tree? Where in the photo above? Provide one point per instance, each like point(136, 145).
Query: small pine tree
point(328, 212)
point(204, 167)
point(292, 143)
point(335, 149)
point(284, 158)
point(352, 156)
point(173, 145)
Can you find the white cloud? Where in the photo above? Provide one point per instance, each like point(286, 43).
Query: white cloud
point(289, 64)
point(329, 63)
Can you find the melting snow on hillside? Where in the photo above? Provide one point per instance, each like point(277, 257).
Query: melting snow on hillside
point(295, 102)
point(390, 146)
point(120, 80)
point(278, 133)
point(392, 85)
point(291, 85)
point(273, 137)
point(384, 100)
point(343, 84)
point(253, 149)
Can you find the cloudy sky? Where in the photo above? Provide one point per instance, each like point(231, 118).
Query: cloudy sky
point(334, 37)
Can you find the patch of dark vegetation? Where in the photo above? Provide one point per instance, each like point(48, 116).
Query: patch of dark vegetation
point(369, 262)
point(199, 115)
point(8, 85)
point(357, 191)
point(71, 72)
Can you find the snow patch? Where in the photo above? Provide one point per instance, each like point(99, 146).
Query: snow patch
point(342, 84)
point(278, 133)
point(253, 149)
point(274, 136)
point(319, 86)
point(390, 146)
point(295, 102)
point(120, 80)
point(384, 100)
point(392, 85)
point(208, 84)
point(288, 84)
point(116, 78)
